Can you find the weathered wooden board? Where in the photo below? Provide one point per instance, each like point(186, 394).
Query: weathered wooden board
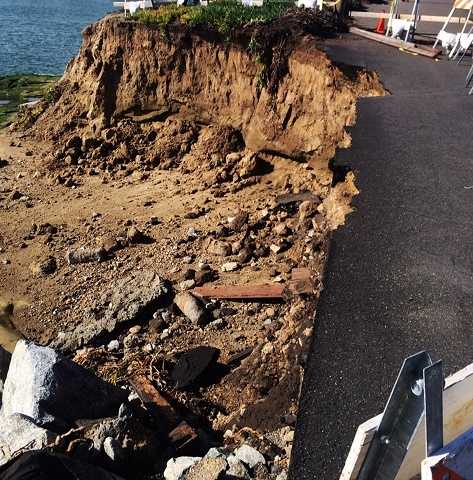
point(394, 42)
point(457, 419)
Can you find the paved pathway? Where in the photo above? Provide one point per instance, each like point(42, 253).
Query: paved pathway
point(400, 273)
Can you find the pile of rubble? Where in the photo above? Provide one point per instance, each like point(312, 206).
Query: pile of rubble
point(79, 424)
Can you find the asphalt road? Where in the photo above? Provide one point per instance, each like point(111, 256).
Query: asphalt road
point(400, 273)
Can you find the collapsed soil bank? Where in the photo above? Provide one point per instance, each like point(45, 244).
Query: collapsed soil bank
point(177, 138)
point(124, 67)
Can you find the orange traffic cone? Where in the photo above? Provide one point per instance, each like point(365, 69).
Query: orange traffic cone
point(380, 28)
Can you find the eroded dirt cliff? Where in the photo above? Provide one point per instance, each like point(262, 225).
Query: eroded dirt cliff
point(125, 67)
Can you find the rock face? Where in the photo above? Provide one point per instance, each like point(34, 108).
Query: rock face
point(54, 391)
point(134, 298)
point(219, 82)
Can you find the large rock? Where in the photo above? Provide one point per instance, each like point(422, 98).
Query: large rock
point(19, 433)
point(133, 298)
point(54, 391)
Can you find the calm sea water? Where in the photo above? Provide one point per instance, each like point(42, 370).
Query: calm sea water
point(40, 36)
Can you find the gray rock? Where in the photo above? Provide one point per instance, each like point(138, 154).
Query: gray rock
point(54, 391)
point(249, 456)
point(176, 467)
point(236, 469)
point(208, 469)
point(18, 433)
point(191, 307)
point(134, 298)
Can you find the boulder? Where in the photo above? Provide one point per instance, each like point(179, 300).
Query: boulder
point(176, 467)
point(53, 391)
point(19, 433)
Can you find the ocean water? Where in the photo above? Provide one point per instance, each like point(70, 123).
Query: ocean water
point(41, 36)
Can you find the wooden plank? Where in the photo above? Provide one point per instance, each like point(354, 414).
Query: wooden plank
point(394, 42)
point(457, 419)
point(241, 292)
point(154, 401)
point(407, 16)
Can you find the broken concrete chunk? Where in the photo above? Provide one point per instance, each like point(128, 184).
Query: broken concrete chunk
point(133, 298)
point(18, 433)
point(249, 455)
point(191, 307)
point(85, 255)
point(54, 391)
point(176, 467)
point(207, 468)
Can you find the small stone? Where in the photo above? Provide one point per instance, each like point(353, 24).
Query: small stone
point(281, 229)
point(267, 349)
point(249, 456)
point(218, 247)
point(113, 346)
point(215, 453)
point(135, 330)
point(188, 274)
point(217, 324)
point(203, 276)
point(133, 236)
point(187, 260)
point(237, 222)
point(230, 266)
point(244, 255)
point(44, 267)
point(165, 334)
point(191, 307)
point(275, 248)
point(307, 209)
point(186, 285)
